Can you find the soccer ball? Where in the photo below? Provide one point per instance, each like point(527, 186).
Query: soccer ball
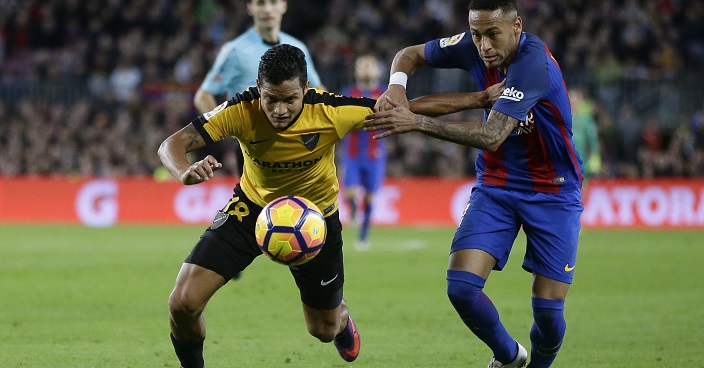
point(290, 230)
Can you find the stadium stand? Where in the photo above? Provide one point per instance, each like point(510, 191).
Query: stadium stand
point(91, 88)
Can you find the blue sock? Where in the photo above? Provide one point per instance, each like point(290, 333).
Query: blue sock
point(366, 220)
point(547, 332)
point(479, 314)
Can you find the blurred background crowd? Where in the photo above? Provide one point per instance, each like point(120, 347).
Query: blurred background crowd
point(93, 87)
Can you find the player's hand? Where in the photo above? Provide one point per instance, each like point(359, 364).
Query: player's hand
point(200, 171)
point(493, 93)
point(396, 120)
point(396, 93)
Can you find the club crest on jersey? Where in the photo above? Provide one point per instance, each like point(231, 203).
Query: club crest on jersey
point(310, 140)
point(525, 127)
point(449, 41)
point(215, 111)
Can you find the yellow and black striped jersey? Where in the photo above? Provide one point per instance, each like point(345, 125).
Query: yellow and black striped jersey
point(299, 160)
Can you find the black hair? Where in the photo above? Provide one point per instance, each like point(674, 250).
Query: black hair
point(505, 5)
point(281, 63)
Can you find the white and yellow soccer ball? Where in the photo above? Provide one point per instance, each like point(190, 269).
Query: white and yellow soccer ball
point(290, 230)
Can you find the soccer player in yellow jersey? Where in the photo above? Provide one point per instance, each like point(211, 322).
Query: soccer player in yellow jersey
point(288, 133)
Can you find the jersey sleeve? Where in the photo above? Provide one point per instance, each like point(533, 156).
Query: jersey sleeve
point(457, 51)
point(223, 121)
point(222, 72)
point(527, 81)
point(351, 118)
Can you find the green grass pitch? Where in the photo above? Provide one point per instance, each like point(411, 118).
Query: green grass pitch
point(79, 297)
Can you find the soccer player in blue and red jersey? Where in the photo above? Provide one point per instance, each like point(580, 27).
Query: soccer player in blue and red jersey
point(363, 158)
point(529, 173)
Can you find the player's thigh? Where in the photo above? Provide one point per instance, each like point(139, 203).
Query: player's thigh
point(489, 224)
point(320, 280)
point(228, 245)
point(552, 224)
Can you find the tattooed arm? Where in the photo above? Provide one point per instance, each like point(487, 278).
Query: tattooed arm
point(487, 136)
point(173, 154)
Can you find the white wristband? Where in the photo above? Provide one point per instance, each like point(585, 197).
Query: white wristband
point(399, 78)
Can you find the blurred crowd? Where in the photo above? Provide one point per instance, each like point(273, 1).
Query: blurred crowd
point(93, 87)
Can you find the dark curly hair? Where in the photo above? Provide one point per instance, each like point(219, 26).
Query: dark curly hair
point(505, 5)
point(281, 63)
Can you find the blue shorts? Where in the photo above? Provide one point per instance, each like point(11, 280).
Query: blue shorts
point(550, 221)
point(368, 173)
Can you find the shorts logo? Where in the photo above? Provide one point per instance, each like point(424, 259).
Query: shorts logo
point(449, 41)
point(326, 283)
point(568, 268)
point(219, 219)
point(208, 115)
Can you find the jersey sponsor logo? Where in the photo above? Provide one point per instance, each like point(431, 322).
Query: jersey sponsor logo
point(512, 94)
point(310, 140)
point(568, 268)
point(208, 115)
point(525, 127)
point(283, 166)
point(449, 41)
point(257, 142)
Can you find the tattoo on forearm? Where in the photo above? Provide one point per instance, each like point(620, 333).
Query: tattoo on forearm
point(193, 136)
point(486, 135)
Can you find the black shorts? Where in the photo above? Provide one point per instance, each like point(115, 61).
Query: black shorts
point(228, 246)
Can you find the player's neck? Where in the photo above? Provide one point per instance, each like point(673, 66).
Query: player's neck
point(269, 35)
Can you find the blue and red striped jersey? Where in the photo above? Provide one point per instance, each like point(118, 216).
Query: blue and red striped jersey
point(359, 144)
point(539, 154)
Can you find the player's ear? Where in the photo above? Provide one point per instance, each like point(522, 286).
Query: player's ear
point(284, 5)
point(259, 85)
point(518, 25)
point(306, 87)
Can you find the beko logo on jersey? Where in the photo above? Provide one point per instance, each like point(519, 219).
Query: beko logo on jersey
point(512, 94)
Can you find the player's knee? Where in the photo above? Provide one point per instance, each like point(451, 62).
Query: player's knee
point(463, 287)
point(549, 316)
point(182, 307)
point(324, 331)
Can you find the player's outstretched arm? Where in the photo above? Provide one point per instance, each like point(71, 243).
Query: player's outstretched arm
point(173, 154)
point(404, 65)
point(487, 136)
point(448, 103)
